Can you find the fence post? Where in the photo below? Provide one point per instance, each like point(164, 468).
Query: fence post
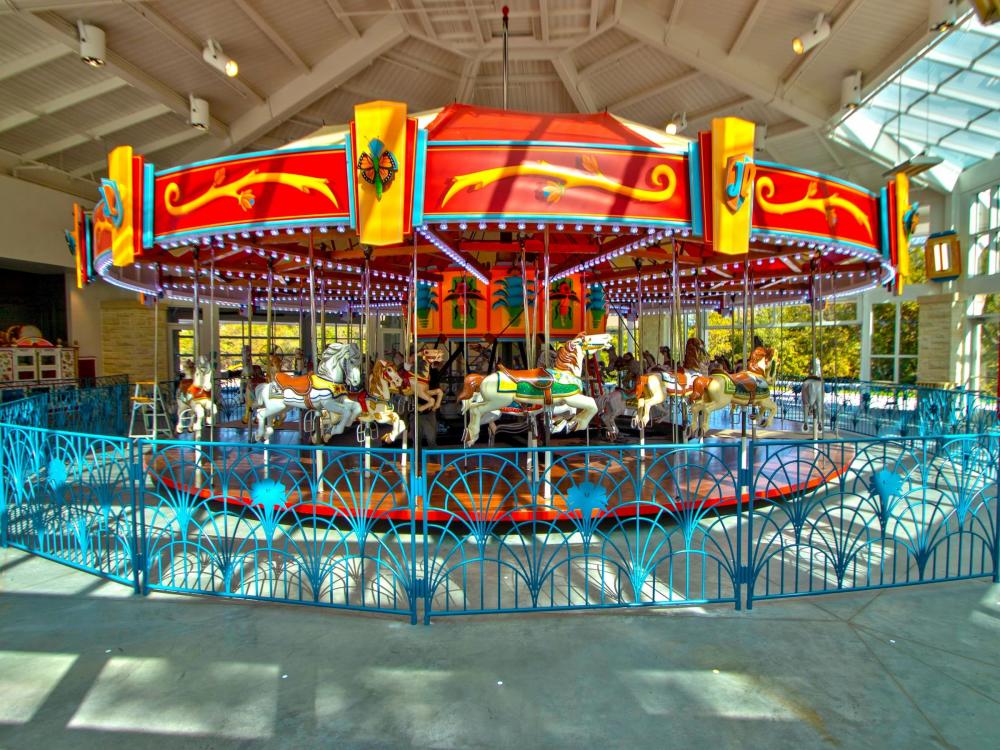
point(138, 516)
point(3, 488)
point(412, 495)
point(747, 560)
point(995, 453)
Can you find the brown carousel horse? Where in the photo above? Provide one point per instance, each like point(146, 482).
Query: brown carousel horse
point(750, 387)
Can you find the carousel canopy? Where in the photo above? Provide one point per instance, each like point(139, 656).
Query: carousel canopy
point(464, 197)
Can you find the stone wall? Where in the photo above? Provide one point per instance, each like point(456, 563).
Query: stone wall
point(127, 335)
point(939, 337)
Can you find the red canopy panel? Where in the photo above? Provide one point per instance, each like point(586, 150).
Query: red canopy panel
point(462, 122)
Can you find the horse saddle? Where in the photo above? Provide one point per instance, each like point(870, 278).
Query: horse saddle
point(749, 383)
point(539, 379)
point(300, 385)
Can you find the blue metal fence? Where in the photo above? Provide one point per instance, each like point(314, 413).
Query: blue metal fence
point(446, 532)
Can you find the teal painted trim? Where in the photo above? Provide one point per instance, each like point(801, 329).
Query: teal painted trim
point(561, 219)
point(148, 172)
point(805, 237)
point(419, 177)
point(228, 228)
point(351, 209)
point(563, 144)
point(250, 155)
point(811, 173)
point(695, 189)
point(88, 241)
point(883, 215)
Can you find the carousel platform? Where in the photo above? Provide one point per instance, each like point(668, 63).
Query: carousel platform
point(504, 484)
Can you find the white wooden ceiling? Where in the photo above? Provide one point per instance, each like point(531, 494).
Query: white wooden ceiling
point(305, 63)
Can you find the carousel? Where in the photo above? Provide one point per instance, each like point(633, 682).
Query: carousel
point(524, 254)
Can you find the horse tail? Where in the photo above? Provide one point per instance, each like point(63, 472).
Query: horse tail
point(470, 387)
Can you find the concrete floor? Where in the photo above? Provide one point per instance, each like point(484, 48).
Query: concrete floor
point(84, 663)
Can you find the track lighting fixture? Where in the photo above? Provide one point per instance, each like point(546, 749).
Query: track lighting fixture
point(199, 113)
point(92, 44)
point(677, 123)
point(818, 33)
point(214, 56)
point(850, 91)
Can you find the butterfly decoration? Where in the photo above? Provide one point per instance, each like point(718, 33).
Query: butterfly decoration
point(378, 166)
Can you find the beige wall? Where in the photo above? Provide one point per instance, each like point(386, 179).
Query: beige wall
point(83, 308)
point(127, 336)
point(33, 219)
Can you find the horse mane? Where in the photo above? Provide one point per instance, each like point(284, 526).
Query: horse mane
point(693, 353)
point(566, 356)
point(761, 352)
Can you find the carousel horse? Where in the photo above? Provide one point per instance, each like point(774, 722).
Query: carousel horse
point(194, 396)
point(431, 397)
point(812, 398)
point(325, 390)
point(653, 389)
point(562, 383)
point(750, 387)
point(375, 404)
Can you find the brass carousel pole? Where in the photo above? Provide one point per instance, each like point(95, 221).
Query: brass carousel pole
point(642, 365)
point(195, 351)
point(315, 352)
point(548, 411)
point(369, 353)
point(527, 317)
point(675, 336)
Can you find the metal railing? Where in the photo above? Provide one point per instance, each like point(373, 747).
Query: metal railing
point(447, 532)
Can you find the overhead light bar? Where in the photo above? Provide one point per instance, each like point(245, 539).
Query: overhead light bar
point(914, 166)
point(212, 54)
point(92, 44)
point(819, 32)
point(452, 254)
point(625, 249)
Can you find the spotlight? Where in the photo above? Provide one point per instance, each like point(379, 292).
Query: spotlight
point(850, 90)
point(199, 113)
point(92, 44)
point(818, 33)
point(214, 56)
point(677, 123)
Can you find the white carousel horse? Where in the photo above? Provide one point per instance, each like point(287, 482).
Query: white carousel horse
point(325, 390)
point(748, 388)
point(653, 389)
point(563, 383)
point(194, 396)
point(812, 398)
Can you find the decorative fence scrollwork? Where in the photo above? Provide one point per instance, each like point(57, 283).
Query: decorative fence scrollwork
point(447, 532)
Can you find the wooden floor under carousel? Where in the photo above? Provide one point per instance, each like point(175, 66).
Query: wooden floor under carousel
point(494, 484)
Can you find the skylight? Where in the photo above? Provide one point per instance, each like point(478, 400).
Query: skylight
point(944, 102)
